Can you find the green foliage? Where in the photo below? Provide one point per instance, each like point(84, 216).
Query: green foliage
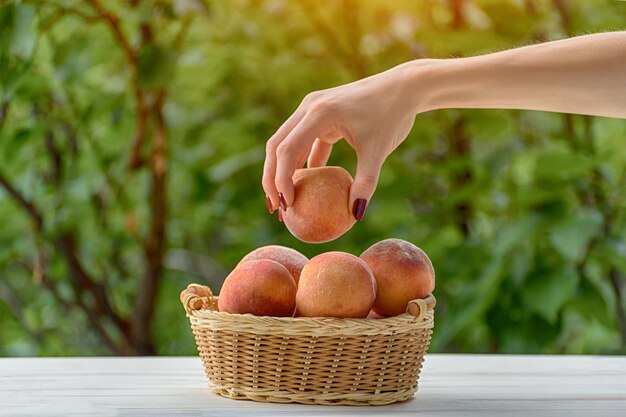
point(526, 228)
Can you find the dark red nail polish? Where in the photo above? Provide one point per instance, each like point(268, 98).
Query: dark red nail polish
point(358, 208)
point(268, 203)
point(280, 215)
point(282, 202)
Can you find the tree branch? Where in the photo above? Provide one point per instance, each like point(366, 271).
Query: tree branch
point(66, 245)
point(154, 245)
point(460, 147)
point(456, 7)
point(617, 281)
point(78, 303)
point(114, 24)
point(23, 202)
point(64, 10)
point(4, 111)
point(116, 187)
point(180, 36)
point(45, 281)
point(16, 308)
point(564, 13)
point(135, 161)
point(55, 157)
point(61, 11)
point(141, 111)
point(35, 215)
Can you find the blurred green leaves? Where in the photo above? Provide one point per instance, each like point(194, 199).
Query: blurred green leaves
point(560, 165)
point(571, 236)
point(17, 44)
point(18, 23)
point(546, 295)
point(156, 64)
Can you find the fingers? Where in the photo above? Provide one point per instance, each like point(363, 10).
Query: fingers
point(364, 185)
point(269, 167)
point(291, 154)
point(319, 154)
point(269, 171)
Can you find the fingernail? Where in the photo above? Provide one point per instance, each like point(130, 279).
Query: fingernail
point(281, 201)
point(358, 208)
point(268, 203)
point(280, 215)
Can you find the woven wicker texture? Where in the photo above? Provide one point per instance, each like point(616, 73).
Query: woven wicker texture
point(310, 360)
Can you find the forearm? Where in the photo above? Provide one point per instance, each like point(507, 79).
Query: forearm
point(583, 75)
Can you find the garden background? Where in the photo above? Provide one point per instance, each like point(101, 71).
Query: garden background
point(132, 138)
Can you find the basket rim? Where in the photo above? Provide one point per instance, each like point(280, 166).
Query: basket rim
point(201, 308)
point(234, 316)
point(198, 300)
point(275, 327)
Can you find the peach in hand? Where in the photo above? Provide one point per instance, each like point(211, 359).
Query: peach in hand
point(320, 211)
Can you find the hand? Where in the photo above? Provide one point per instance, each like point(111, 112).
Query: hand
point(582, 75)
point(374, 115)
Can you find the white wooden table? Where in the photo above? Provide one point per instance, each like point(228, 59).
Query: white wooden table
point(450, 385)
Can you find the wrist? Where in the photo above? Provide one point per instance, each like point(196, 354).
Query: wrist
point(433, 84)
point(423, 81)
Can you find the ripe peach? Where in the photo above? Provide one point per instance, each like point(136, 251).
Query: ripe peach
point(262, 287)
point(335, 284)
point(374, 315)
point(291, 259)
point(403, 273)
point(320, 211)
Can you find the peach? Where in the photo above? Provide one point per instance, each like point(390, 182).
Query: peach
point(320, 211)
point(291, 259)
point(374, 315)
point(261, 287)
point(335, 284)
point(403, 273)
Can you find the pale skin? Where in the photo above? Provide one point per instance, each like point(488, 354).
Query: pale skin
point(580, 75)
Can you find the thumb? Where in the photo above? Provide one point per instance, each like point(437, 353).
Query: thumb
point(364, 185)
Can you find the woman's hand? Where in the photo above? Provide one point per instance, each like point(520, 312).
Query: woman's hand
point(583, 75)
point(374, 115)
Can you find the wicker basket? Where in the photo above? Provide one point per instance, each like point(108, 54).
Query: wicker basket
point(310, 360)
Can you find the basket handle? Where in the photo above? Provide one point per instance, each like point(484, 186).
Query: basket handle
point(419, 307)
point(197, 297)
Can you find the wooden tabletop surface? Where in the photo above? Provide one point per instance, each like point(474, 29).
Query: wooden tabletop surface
point(450, 385)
